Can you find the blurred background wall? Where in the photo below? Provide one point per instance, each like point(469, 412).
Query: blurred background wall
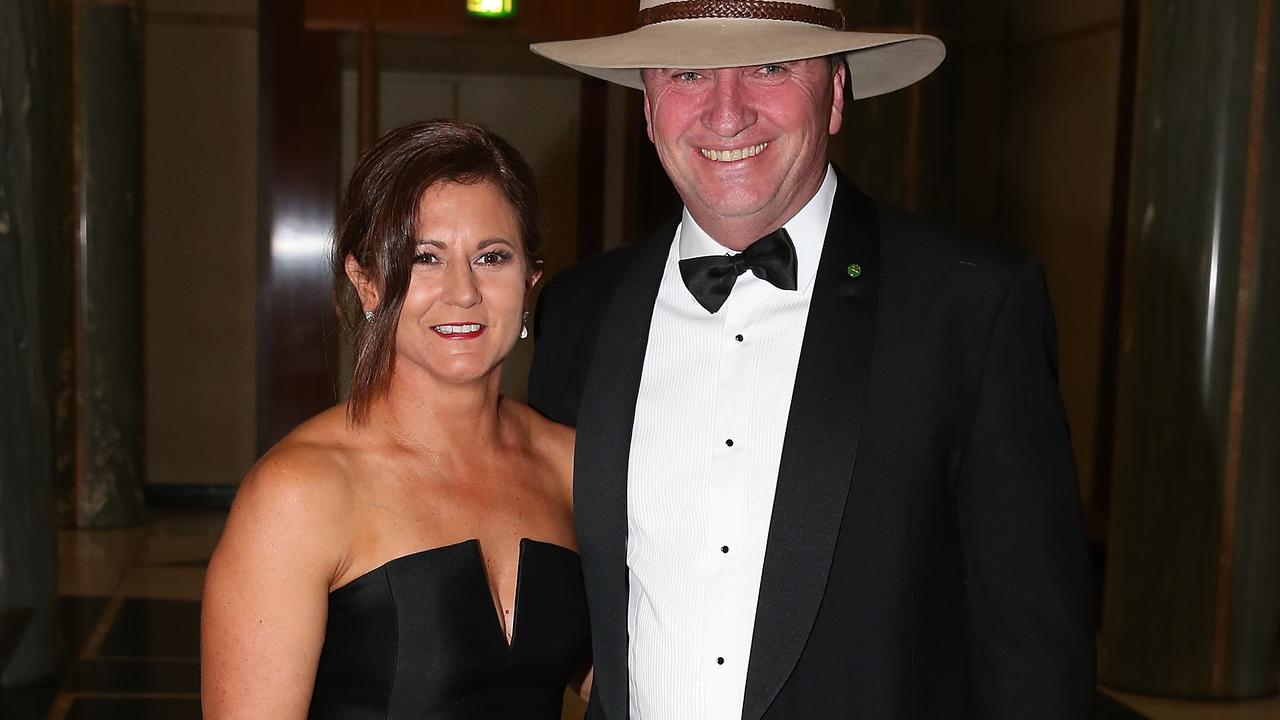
point(1015, 138)
point(200, 91)
point(1119, 141)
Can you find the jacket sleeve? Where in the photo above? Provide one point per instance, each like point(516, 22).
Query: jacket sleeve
point(1029, 586)
point(562, 339)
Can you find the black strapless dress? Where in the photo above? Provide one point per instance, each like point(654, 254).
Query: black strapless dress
point(419, 638)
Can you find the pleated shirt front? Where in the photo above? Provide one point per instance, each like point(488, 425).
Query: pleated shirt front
point(710, 419)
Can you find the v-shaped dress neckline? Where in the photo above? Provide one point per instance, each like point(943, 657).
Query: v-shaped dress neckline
point(478, 556)
point(416, 637)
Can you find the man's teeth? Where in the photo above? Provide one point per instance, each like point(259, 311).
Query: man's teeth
point(456, 329)
point(734, 155)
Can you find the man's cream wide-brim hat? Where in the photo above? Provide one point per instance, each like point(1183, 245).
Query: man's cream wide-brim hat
point(701, 34)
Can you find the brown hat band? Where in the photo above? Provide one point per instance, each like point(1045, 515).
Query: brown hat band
point(748, 9)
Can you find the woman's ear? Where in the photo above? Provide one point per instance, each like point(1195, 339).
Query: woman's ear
point(535, 274)
point(365, 287)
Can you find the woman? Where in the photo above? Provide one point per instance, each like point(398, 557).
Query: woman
point(409, 553)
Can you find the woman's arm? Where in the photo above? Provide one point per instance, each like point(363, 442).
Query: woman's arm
point(266, 591)
point(584, 687)
point(565, 439)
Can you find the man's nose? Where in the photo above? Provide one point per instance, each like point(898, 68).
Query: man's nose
point(728, 112)
point(460, 286)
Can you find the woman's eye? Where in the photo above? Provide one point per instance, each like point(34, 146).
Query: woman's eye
point(493, 257)
point(425, 258)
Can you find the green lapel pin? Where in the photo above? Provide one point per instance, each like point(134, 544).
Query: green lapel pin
point(855, 270)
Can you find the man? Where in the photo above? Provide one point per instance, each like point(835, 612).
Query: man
point(822, 466)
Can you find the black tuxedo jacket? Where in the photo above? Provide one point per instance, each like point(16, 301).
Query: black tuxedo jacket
point(926, 557)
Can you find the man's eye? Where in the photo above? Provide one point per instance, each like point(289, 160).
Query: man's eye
point(772, 69)
point(687, 76)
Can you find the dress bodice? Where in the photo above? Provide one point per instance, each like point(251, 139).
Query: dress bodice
point(419, 638)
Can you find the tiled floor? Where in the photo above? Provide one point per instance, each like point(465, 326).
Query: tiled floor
point(131, 608)
point(1162, 709)
point(130, 611)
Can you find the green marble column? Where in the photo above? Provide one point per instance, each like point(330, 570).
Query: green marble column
point(99, 354)
point(1192, 603)
point(28, 235)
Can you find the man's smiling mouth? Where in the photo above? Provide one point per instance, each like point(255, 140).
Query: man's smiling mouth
point(733, 155)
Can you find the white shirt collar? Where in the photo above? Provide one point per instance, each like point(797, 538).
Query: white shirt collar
point(808, 230)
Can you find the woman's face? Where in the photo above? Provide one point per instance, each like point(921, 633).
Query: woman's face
point(465, 304)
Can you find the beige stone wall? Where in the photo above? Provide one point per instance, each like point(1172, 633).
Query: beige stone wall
point(200, 238)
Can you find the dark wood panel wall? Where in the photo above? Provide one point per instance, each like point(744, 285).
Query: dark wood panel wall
point(976, 145)
point(547, 19)
point(593, 129)
point(300, 137)
point(300, 115)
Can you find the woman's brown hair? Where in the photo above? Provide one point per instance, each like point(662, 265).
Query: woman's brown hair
point(376, 220)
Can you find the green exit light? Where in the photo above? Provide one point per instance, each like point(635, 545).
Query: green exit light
point(491, 8)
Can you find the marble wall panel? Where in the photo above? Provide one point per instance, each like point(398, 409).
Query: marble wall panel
point(100, 351)
point(1194, 568)
point(31, 128)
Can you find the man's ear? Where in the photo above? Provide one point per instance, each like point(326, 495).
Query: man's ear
point(839, 80)
point(648, 113)
point(365, 287)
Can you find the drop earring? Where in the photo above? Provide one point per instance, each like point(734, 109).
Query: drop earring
point(524, 325)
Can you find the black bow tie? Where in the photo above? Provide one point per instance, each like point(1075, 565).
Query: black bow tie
point(711, 278)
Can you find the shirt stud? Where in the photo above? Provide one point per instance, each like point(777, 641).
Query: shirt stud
point(854, 270)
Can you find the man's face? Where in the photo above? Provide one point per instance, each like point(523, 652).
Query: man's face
point(745, 145)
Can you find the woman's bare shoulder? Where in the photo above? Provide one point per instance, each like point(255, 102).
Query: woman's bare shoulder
point(545, 435)
point(312, 464)
point(299, 492)
point(549, 441)
point(265, 592)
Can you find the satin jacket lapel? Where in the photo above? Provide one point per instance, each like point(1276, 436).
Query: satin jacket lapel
point(602, 454)
point(819, 447)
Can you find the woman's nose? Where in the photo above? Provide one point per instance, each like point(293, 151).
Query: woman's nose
point(460, 286)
